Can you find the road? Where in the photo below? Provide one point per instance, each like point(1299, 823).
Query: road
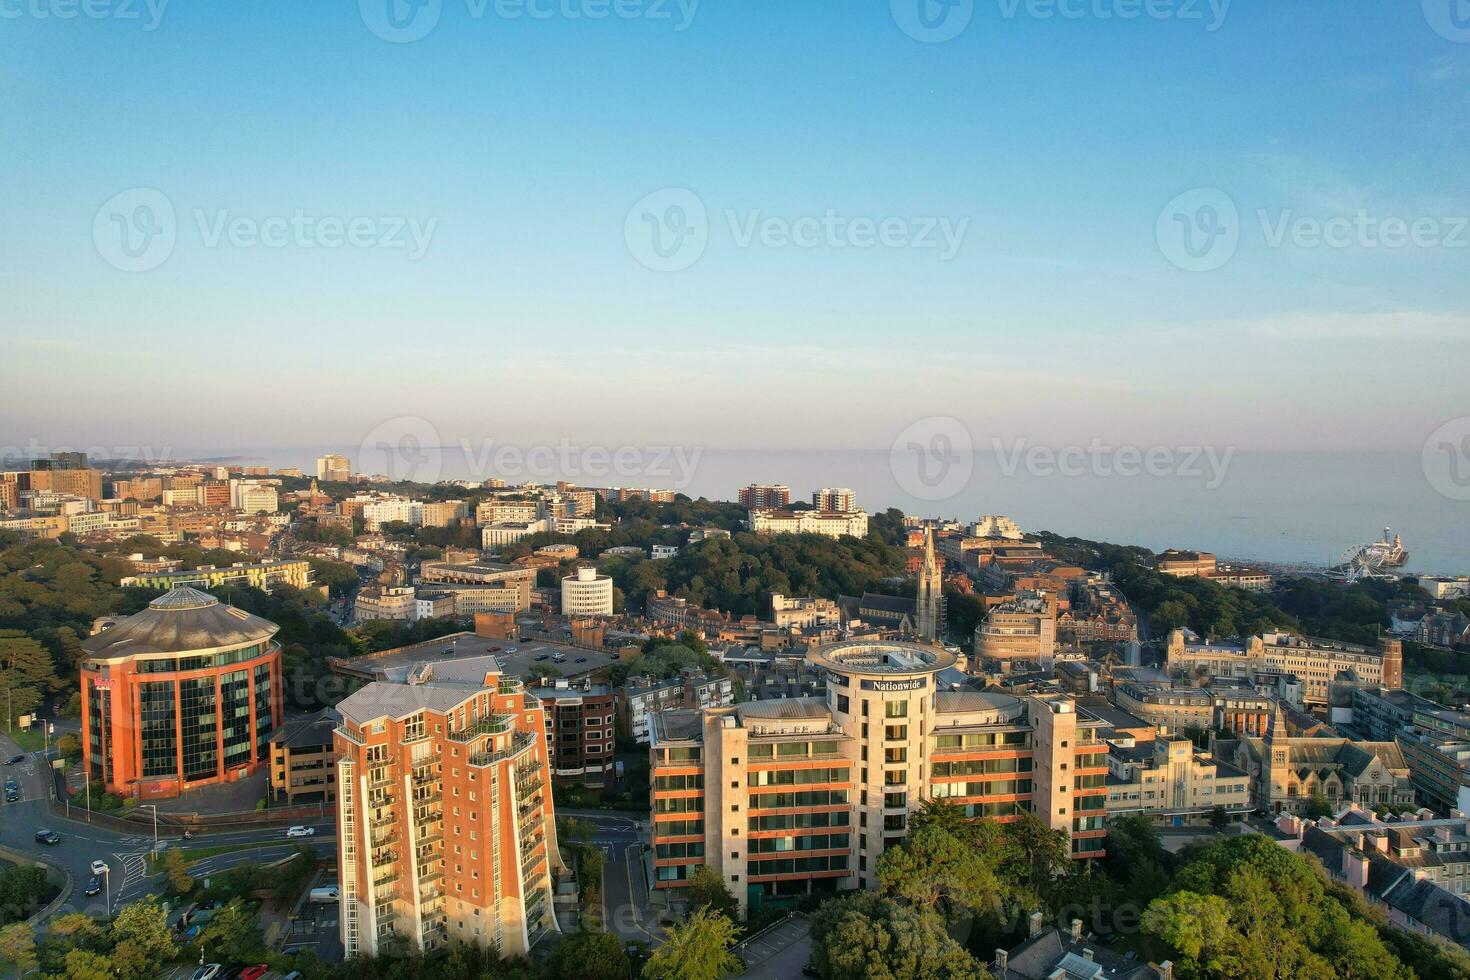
point(125, 852)
point(625, 900)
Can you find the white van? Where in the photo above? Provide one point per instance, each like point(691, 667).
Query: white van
point(324, 896)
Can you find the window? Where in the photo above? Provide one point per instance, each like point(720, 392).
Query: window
point(896, 709)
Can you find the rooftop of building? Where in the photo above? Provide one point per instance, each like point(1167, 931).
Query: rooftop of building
point(513, 656)
point(887, 657)
point(182, 620)
point(387, 700)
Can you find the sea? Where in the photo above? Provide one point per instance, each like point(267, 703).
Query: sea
point(1285, 509)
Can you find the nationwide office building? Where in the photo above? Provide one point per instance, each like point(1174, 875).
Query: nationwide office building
point(803, 795)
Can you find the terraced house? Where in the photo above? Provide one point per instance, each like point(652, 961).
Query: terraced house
point(802, 795)
point(446, 827)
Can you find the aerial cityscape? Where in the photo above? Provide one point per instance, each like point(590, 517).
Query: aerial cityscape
point(676, 490)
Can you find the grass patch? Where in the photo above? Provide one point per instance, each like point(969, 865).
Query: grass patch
point(29, 739)
point(194, 854)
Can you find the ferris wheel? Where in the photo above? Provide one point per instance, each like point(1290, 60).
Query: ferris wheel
point(1364, 561)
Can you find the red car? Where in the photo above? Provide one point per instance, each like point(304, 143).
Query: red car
point(254, 972)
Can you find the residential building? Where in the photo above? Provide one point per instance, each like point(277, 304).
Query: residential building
point(259, 575)
point(579, 730)
point(1056, 954)
point(833, 524)
point(446, 829)
point(509, 532)
point(1445, 587)
point(303, 763)
point(587, 593)
point(830, 498)
point(385, 602)
point(995, 526)
point(1243, 577)
point(334, 468)
point(802, 612)
point(505, 509)
point(792, 797)
point(1172, 781)
point(1186, 564)
point(1317, 664)
point(642, 696)
point(1020, 632)
point(481, 586)
point(760, 496)
point(186, 693)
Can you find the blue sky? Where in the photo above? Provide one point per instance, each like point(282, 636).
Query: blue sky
point(518, 147)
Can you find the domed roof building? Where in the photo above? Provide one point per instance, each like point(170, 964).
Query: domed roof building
point(185, 693)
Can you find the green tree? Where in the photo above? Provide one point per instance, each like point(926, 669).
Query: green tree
point(176, 869)
point(70, 748)
point(144, 923)
point(82, 964)
point(589, 956)
point(707, 890)
point(18, 947)
point(698, 949)
point(1219, 818)
point(1318, 807)
point(1189, 922)
point(232, 934)
point(935, 869)
point(865, 936)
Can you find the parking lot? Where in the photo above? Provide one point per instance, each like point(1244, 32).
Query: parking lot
point(514, 657)
point(778, 953)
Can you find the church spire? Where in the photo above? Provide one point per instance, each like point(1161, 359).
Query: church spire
point(931, 590)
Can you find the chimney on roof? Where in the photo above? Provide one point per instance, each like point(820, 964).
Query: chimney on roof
point(1087, 955)
point(1035, 923)
point(1166, 970)
point(1076, 930)
point(1002, 960)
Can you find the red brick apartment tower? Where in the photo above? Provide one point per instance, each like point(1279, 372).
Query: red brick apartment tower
point(444, 814)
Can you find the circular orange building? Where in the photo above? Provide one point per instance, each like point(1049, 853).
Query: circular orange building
point(183, 694)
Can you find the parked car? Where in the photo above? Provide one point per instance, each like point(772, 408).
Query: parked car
point(207, 972)
point(581, 660)
point(301, 832)
point(254, 972)
point(14, 759)
point(48, 837)
point(99, 867)
point(293, 975)
point(12, 795)
point(542, 657)
point(94, 885)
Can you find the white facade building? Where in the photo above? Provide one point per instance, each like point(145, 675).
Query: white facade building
point(587, 594)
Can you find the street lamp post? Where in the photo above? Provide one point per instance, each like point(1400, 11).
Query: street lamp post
point(154, 808)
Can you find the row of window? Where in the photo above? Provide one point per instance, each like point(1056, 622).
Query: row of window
point(991, 787)
point(798, 777)
point(791, 866)
point(820, 797)
point(807, 842)
point(979, 767)
point(982, 740)
point(791, 750)
point(798, 821)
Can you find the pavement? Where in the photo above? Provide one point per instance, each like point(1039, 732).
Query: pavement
point(124, 851)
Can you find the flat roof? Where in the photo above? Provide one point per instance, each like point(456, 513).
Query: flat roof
point(514, 657)
point(882, 657)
